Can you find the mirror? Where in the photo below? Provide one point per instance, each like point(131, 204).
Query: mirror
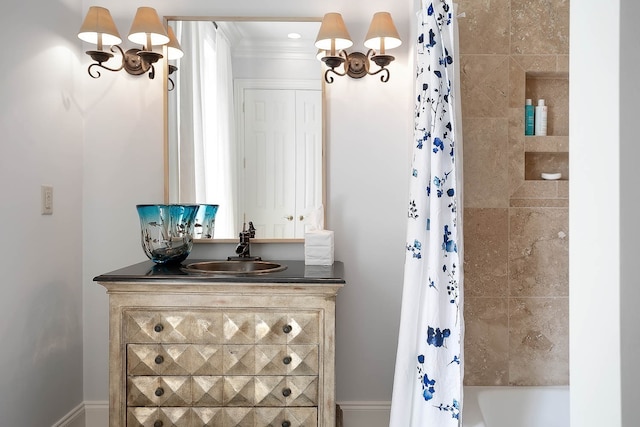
point(245, 123)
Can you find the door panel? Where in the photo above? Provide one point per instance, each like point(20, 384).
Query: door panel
point(283, 153)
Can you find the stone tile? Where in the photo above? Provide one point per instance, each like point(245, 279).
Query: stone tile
point(486, 252)
point(539, 27)
point(517, 85)
point(485, 27)
point(486, 341)
point(484, 83)
point(535, 63)
point(538, 341)
point(563, 142)
point(519, 66)
point(562, 63)
point(540, 203)
point(538, 252)
point(486, 160)
point(563, 189)
point(546, 144)
point(536, 190)
point(517, 144)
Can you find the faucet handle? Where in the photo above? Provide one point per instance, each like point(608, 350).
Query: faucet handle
point(252, 229)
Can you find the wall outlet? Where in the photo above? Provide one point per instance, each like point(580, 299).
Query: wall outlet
point(47, 200)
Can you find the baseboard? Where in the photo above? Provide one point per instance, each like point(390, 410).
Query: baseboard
point(75, 418)
point(365, 414)
point(354, 414)
point(97, 413)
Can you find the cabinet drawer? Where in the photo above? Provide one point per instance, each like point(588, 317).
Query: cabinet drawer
point(231, 326)
point(237, 390)
point(203, 359)
point(174, 359)
point(222, 417)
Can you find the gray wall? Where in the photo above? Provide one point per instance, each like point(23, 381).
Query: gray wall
point(40, 256)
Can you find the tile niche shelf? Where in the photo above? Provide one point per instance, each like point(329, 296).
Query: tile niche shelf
point(549, 153)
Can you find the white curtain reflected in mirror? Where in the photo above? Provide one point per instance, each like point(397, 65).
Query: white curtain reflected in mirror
point(245, 123)
point(205, 126)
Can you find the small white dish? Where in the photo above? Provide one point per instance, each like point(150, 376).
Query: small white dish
point(551, 176)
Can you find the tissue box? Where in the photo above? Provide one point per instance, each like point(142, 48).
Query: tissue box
point(318, 247)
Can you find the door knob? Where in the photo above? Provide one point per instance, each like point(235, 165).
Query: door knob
point(289, 217)
point(301, 218)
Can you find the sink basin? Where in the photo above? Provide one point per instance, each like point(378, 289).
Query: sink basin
point(249, 267)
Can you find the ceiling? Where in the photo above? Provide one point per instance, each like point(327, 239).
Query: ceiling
point(255, 38)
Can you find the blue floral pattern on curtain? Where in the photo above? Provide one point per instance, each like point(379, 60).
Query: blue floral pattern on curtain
point(428, 378)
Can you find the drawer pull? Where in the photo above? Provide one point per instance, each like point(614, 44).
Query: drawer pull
point(284, 424)
point(158, 424)
point(286, 329)
point(159, 391)
point(286, 360)
point(159, 359)
point(286, 392)
point(158, 327)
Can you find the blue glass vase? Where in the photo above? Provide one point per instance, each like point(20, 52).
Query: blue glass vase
point(167, 231)
point(205, 221)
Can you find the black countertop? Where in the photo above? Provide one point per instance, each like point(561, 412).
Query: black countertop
point(296, 272)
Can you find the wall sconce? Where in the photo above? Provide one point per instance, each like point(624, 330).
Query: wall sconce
point(147, 30)
point(333, 38)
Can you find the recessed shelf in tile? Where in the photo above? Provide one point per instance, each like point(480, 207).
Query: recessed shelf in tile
point(553, 87)
point(537, 163)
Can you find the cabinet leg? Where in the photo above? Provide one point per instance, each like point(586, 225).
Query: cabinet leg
point(338, 416)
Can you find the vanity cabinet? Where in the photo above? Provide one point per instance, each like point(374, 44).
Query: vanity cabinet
point(194, 351)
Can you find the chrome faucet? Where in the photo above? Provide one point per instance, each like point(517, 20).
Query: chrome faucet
point(243, 249)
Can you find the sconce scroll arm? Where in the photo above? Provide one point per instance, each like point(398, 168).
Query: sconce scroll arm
point(333, 62)
point(330, 79)
point(100, 57)
point(383, 66)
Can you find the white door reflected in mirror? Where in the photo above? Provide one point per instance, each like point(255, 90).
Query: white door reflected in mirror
point(247, 136)
point(282, 148)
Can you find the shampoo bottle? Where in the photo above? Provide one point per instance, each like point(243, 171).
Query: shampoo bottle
point(528, 117)
point(541, 118)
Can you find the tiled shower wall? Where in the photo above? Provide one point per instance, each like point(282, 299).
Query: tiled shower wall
point(516, 230)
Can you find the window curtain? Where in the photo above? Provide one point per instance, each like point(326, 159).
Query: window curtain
point(206, 126)
point(427, 387)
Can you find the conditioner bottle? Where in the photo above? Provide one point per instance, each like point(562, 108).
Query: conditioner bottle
point(541, 118)
point(528, 117)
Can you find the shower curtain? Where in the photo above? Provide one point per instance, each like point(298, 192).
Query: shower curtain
point(427, 388)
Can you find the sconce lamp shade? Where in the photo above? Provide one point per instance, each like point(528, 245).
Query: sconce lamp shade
point(382, 33)
point(98, 28)
point(333, 34)
point(147, 27)
point(174, 51)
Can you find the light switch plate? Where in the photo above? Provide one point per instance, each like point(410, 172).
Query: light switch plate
point(47, 200)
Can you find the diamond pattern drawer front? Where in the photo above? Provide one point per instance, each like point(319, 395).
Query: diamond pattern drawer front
point(160, 417)
point(145, 326)
point(221, 417)
point(236, 390)
point(221, 327)
point(174, 359)
point(201, 359)
point(159, 391)
point(283, 360)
